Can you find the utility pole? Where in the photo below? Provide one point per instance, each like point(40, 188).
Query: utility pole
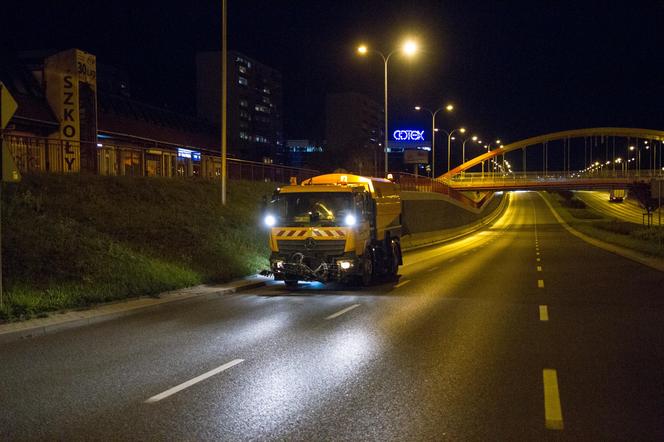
point(224, 99)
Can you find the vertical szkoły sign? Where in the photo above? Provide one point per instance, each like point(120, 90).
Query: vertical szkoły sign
point(71, 90)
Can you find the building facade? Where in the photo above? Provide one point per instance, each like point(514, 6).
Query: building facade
point(66, 124)
point(255, 120)
point(353, 133)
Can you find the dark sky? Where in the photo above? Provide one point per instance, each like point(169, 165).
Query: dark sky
point(513, 68)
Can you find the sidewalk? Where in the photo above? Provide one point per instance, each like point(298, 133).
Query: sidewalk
point(12, 331)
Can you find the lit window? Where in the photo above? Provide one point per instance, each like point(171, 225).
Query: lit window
point(243, 81)
point(266, 91)
point(244, 103)
point(242, 69)
point(266, 100)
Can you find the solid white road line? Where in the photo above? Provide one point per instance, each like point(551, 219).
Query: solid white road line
point(197, 379)
point(544, 313)
point(341, 312)
point(553, 413)
point(402, 283)
point(540, 283)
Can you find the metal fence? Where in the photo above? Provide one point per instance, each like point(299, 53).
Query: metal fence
point(142, 157)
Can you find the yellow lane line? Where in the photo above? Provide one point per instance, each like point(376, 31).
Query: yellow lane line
point(538, 260)
point(540, 283)
point(544, 313)
point(539, 268)
point(553, 413)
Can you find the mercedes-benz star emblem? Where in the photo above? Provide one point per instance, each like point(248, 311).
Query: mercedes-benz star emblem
point(310, 243)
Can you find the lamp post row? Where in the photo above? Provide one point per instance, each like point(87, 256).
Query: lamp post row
point(409, 48)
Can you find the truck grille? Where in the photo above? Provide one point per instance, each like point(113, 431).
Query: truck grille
point(320, 247)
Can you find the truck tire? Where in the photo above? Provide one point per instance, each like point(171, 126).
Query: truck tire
point(393, 258)
point(367, 269)
point(291, 283)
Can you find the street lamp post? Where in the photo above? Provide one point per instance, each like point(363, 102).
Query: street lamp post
point(449, 142)
point(463, 148)
point(448, 108)
point(409, 48)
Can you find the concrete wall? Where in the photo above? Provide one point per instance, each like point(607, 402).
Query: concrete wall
point(428, 212)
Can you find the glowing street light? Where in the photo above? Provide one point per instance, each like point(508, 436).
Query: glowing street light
point(463, 148)
point(433, 114)
point(449, 142)
point(409, 49)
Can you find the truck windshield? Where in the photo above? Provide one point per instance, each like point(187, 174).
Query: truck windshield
point(312, 208)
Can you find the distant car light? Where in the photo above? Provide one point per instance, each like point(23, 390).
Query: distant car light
point(350, 220)
point(270, 220)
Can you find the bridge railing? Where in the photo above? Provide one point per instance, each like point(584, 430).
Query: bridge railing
point(551, 176)
point(418, 183)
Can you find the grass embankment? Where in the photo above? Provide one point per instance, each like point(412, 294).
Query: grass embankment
point(74, 241)
point(612, 230)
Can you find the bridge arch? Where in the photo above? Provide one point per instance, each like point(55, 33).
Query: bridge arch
point(645, 134)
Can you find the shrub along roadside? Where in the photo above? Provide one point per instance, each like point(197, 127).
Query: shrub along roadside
point(622, 233)
point(73, 241)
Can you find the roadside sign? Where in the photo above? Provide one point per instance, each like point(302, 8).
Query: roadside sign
point(415, 156)
point(7, 106)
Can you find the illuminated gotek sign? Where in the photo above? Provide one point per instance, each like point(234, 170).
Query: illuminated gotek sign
point(408, 135)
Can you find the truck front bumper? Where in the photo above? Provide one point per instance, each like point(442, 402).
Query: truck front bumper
point(300, 268)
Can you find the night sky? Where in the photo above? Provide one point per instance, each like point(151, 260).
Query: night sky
point(513, 69)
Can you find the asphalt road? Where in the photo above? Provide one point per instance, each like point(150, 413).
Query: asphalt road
point(626, 210)
point(458, 349)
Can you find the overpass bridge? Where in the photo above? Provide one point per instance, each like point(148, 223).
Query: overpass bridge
point(593, 158)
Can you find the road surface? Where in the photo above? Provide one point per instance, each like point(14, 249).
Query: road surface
point(518, 332)
point(627, 210)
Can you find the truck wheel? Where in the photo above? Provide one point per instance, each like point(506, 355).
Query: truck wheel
point(393, 259)
point(291, 283)
point(367, 269)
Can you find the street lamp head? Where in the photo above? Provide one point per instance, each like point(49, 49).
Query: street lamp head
point(462, 130)
point(449, 107)
point(409, 47)
point(497, 141)
point(418, 108)
point(362, 50)
point(474, 138)
point(631, 147)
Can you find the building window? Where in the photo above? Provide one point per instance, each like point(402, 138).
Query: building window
point(261, 108)
point(243, 81)
point(242, 69)
point(244, 103)
point(266, 91)
point(266, 100)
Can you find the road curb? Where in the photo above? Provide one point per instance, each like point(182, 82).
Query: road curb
point(653, 263)
point(14, 331)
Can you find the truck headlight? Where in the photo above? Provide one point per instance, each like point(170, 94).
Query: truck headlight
point(345, 265)
point(279, 264)
point(270, 220)
point(350, 220)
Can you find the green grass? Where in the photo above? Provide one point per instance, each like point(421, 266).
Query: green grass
point(74, 241)
point(622, 233)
